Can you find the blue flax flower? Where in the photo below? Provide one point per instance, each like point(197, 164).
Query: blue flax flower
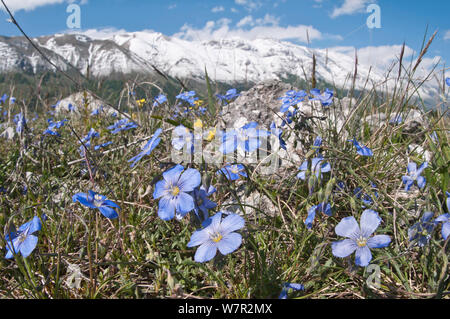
point(325, 208)
point(202, 203)
point(361, 150)
point(96, 201)
point(445, 219)
point(53, 126)
point(359, 237)
point(421, 231)
point(317, 144)
point(287, 286)
point(230, 95)
point(97, 147)
point(245, 139)
point(414, 175)
point(289, 117)
point(317, 168)
point(3, 98)
point(90, 135)
point(174, 192)
point(23, 240)
point(364, 197)
point(276, 131)
point(292, 98)
point(148, 148)
point(12, 100)
point(20, 121)
point(233, 172)
point(326, 98)
point(97, 111)
point(122, 125)
point(188, 97)
point(217, 234)
point(160, 99)
point(447, 80)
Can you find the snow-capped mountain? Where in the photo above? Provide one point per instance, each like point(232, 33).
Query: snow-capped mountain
point(228, 60)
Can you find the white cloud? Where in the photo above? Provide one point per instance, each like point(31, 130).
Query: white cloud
point(250, 5)
point(217, 9)
point(379, 56)
point(266, 27)
point(447, 35)
point(267, 20)
point(28, 5)
point(248, 20)
point(350, 7)
point(277, 3)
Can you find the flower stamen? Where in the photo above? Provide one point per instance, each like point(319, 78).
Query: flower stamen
point(361, 242)
point(175, 190)
point(216, 237)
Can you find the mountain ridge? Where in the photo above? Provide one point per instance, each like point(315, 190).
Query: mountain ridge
point(227, 60)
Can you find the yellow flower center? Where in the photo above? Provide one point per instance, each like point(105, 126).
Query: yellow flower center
point(175, 191)
point(98, 200)
point(361, 242)
point(23, 236)
point(234, 169)
point(216, 237)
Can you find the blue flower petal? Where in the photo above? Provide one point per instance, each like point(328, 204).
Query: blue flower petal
point(28, 245)
point(412, 167)
point(172, 175)
point(111, 204)
point(379, 241)
point(348, 227)
point(369, 222)
point(205, 252)
point(189, 180)
point(229, 243)
point(160, 189)
point(304, 166)
point(232, 223)
point(311, 215)
point(33, 225)
point(166, 210)
point(343, 248)
point(363, 256)
point(301, 175)
point(184, 203)
point(12, 247)
point(445, 230)
point(82, 198)
point(421, 181)
point(198, 237)
point(108, 212)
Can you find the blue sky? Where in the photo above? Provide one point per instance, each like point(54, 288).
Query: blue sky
point(330, 23)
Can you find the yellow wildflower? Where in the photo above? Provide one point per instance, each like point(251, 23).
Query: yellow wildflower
point(141, 103)
point(198, 124)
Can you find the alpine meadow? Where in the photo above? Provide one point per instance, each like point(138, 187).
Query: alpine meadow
point(224, 150)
